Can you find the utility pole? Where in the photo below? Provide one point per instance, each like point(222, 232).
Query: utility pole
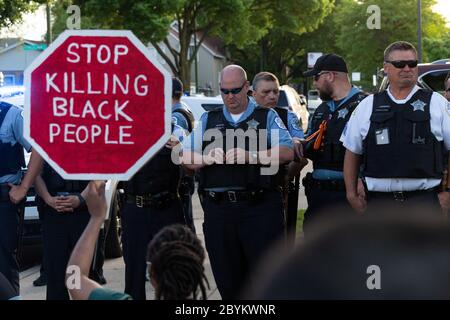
point(49, 25)
point(195, 57)
point(419, 30)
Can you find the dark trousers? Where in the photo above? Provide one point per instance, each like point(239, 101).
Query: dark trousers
point(237, 234)
point(6, 290)
point(139, 226)
point(325, 206)
point(9, 222)
point(418, 203)
point(61, 232)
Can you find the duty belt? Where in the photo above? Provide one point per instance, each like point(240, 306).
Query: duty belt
point(234, 196)
point(327, 185)
point(401, 195)
point(159, 200)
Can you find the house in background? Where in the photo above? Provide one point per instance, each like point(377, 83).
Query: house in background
point(15, 56)
point(211, 58)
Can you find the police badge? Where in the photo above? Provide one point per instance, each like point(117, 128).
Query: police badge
point(253, 124)
point(418, 105)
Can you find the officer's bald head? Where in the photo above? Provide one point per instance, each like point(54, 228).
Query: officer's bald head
point(233, 71)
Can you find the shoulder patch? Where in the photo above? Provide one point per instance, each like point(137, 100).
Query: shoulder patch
point(174, 121)
point(279, 123)
point(295, 123)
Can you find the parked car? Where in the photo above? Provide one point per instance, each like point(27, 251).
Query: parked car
point(31, 228)
point(291, 99)
point(200, 103)
point(431, 76)
point(313, 100)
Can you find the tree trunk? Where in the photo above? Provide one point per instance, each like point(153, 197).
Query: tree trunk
point(185, 72)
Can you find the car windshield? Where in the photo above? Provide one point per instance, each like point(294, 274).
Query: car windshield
point(435, 80)
point(282, 100)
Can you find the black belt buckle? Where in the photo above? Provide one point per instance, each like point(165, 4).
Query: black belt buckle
point(399, 196)
point(139, 201)
point(232, 196)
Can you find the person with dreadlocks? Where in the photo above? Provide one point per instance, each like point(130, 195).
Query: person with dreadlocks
point(175, 257)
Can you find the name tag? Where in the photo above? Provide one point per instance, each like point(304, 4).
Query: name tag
point(382, 136)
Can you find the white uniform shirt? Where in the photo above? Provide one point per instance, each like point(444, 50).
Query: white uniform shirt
point(358, 127)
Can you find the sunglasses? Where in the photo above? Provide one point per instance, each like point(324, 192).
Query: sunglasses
point(317, 76)
point(232, 91)
point(448, 90)
point(400, 64)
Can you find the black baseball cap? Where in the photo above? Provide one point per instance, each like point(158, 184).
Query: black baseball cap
point(327, 62)
point(177, 87)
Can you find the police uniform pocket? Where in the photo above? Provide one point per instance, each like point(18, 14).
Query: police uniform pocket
point(417, 127)
point(381, 128)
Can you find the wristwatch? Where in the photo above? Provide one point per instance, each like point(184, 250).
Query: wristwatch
point(82, 201)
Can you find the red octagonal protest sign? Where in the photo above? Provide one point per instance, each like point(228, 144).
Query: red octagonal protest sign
point(97, 104)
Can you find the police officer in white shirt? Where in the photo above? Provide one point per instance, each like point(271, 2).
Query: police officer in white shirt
point(401, 136)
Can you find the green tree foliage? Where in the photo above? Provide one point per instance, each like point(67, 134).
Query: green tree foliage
point(363, 47)
point(279, 49)
point(236, 21)
point(11, 11)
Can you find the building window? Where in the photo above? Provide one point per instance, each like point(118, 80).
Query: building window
point(9, 80)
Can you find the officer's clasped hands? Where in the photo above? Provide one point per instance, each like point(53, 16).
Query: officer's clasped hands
point(66, 203)
point(214, 156)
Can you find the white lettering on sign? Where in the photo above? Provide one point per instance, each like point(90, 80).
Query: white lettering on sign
point(62, 107)
point(71, 133)
point(85, 84)
point(77, 96)
point(103, 54)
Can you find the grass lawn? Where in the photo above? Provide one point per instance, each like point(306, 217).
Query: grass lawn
point(300, 214)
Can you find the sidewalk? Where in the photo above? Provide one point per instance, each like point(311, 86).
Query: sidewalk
point(114, 269)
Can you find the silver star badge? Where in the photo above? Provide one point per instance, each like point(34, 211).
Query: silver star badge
point(253, 124)
point(418, 105)
point(342, 113)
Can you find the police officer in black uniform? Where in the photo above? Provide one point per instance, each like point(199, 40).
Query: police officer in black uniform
point(65, 216)
point(401, 136)
point(266, 92)
point(13, 187)
point(242, 205)
point(324, 187)
point(151, 203)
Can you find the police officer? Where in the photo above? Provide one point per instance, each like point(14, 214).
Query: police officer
point(183, 117)
point(402, 136)
point(65, 216)
point(13, 188)
point(325, 187)
point(266, 91)
point(242, 204)
point(151, 203)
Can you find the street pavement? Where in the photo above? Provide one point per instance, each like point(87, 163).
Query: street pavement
point(114, 269)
